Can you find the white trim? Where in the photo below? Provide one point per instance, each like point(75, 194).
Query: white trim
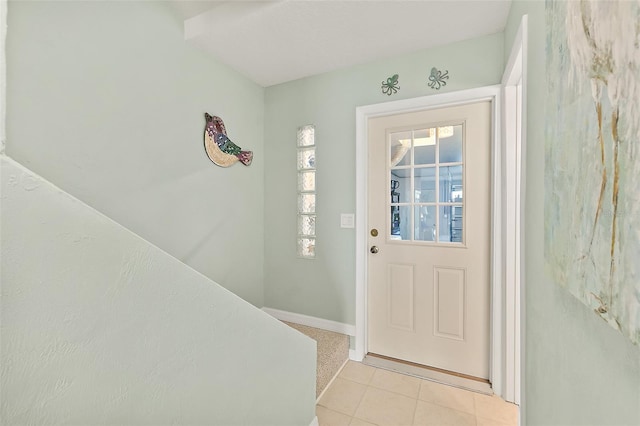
point(497, 339)
point(314, 422)
point(3, 75)
point(309, 321)
point(520, 290)
point(363, 114)
point(514, 136)
point(353, 356)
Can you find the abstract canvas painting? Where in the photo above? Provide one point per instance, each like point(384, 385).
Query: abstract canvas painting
point(592, 156)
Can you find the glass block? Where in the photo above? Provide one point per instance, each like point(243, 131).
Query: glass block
point(451, 224)
point(306, 135)
point(400, 149)
point(424, 185)
point(306, 159)
point(307, 203)
point(306, 247)
point(424, 146)
point(450, 140)
point(307, 224)
point(307, 181)
point(400, 222)
point(451, 184)
point(425, 223)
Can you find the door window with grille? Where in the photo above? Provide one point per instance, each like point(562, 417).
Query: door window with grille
point(426, 184)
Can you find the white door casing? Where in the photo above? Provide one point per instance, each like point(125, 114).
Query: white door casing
point(363, 114)
point(507, 357)
point(429, 282)
point(514, 82)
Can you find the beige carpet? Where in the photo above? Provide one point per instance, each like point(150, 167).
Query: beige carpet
point(333, 351)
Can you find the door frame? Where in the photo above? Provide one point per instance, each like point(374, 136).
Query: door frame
point(514, 113)
point(492, 94)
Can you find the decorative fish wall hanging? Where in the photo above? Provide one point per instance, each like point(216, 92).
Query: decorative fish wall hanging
point(219, 148)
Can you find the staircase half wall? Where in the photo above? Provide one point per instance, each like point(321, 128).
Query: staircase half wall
point(101, 327)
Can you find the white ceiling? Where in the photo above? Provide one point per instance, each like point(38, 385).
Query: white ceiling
point(273, 42)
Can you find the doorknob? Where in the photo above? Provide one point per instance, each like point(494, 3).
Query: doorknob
point(374, 249)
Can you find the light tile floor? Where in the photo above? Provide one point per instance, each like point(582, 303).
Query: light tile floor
point(364, 396)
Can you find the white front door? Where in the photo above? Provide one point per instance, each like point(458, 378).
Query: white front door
point(429, 237)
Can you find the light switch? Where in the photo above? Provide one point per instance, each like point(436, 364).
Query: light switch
point(347, 220)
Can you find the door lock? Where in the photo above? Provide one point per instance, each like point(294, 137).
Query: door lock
point(374, 249)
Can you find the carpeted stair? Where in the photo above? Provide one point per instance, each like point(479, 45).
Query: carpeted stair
point(333, 351)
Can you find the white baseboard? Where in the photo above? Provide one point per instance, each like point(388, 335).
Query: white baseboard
point(315, 422)
point(353, 356)
point(323, 324)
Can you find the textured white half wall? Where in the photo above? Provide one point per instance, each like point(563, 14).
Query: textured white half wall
point(101, 327)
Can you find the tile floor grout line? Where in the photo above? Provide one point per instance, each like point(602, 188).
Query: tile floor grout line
point(451, 408)
point(381, 388)
point(442, 406)
point(358, 405)
point(370, 386)
point(415, 410)
point(417, 398)
point(475, 408)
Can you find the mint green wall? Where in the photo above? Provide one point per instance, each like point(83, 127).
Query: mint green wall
point(107, 101)
point(578, 370)
point(99, 327)
point(325, 287)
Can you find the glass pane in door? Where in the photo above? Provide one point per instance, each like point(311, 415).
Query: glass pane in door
point(400, 149)
point(400, 223)
point(424, 146)
point(451, 223)
point(451, 184)
point(424, 185)
point(400, 186)
point(450, 144)
point(425, 223)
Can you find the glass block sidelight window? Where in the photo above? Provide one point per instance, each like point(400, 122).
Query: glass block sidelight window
point(306, 192)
